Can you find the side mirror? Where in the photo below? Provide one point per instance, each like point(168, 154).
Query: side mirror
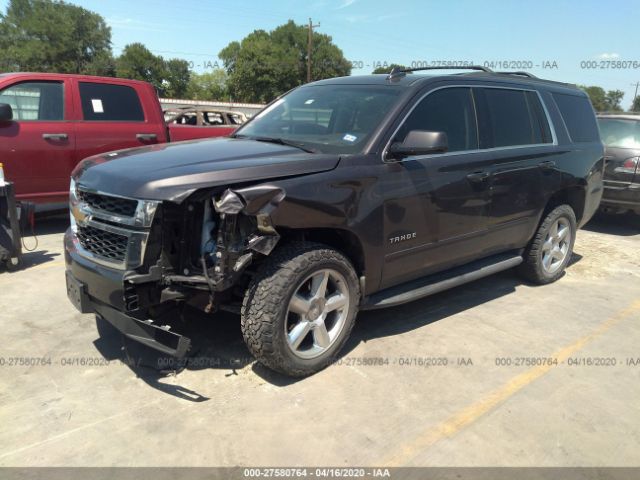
point(6, 112)
point(419, 142)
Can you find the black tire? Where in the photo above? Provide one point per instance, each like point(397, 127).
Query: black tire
point(13, 265)
point(532, 268)
point(265, 318)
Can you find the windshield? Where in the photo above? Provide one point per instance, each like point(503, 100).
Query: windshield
point(618, 132)
point(327, 118)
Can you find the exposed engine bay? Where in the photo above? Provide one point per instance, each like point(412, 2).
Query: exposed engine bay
point(196, 251)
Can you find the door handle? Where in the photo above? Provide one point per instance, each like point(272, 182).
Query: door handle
point(478, 177)
point(55, 136)
point(145, 137)
point(547, 165)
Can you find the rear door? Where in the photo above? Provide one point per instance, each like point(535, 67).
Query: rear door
point(516, 132)
point(37, 148)
point(115, 115)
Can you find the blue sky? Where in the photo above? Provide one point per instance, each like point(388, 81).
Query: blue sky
point(404, 31)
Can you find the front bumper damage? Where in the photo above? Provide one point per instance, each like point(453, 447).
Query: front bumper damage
point(122, 296)
point(92, 288)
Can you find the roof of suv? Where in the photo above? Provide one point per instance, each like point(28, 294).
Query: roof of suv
point(416, 79)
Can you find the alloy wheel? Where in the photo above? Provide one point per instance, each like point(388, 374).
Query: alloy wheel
point(556, 245)
point(317, 313)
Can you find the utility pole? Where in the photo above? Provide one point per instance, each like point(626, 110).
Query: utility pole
point(635, 95)
point(309, 42)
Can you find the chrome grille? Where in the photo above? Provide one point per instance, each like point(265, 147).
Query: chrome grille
point(113, 205)
point(108, 229)
point(100, 242)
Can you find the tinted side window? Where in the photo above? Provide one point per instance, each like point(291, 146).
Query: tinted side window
point(106, 102)
point(513, 119)
point(42, 101)
point(449, 110)
point(578, 116)
point(539, 118)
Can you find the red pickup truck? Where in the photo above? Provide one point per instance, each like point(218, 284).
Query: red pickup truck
point(49, 122)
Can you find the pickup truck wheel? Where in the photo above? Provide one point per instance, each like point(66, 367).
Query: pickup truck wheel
point(551, 248)
point(300, 308)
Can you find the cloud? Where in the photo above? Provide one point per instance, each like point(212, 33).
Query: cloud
point(369, 18)
point(391, 16)
point(127, 23)
point(346, 3)
point(608, 56)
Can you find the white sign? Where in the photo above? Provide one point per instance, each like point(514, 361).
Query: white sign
point(97, 105)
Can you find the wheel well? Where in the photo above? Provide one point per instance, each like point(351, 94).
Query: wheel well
point(342, 240)
point(572, 196)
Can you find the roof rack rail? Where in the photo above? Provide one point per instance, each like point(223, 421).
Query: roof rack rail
point(401, 72)
point(519, 73)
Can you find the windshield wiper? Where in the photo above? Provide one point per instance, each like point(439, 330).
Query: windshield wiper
point(279, 141)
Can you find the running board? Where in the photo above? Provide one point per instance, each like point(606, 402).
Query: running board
point(423, 287)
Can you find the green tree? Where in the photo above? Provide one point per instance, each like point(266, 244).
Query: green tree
point(604, 101)
point(177, 76)
point(265, 64)
point(51, 36)
point(138, 63)
point(635, 107)
point(613, 98)
point(103, 65)
point(597, 95)
point(208, 85)
point(388, 68)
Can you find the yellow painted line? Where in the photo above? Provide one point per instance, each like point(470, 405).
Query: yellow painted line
point(473, 412)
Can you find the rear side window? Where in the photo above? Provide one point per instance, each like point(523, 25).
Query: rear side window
point(449, 110)
point(513, 118)
point(43, 101)
point(578, 116)
point(107, 102)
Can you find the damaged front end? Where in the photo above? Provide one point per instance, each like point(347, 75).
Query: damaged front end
point(197, 253)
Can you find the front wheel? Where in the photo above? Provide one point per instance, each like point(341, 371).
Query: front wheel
point(300, 308)
point(550, 250)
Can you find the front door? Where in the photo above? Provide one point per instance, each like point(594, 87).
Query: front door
point(37, 148)
point(435, 207)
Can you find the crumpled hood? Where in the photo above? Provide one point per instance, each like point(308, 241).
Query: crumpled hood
point(172, 171)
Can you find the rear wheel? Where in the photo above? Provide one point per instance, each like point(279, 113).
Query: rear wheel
point(300, 308)
point(550, 250)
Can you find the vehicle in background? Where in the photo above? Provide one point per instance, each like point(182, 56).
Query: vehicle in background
point(345, 194)
point(199, 122)
point(49, 122)
point(621, 136)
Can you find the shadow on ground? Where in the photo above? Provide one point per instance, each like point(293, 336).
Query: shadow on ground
point(218, 343)
point(33, 252)
point(623, 224)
